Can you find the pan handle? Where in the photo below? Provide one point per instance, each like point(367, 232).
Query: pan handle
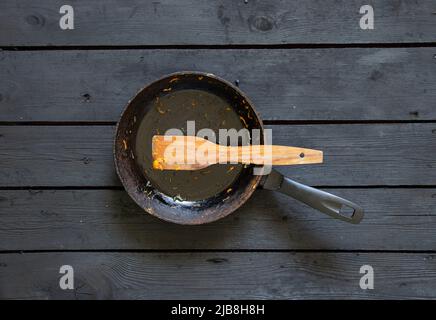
point(325, 202)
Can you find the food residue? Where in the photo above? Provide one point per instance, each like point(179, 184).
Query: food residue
point(125, 144)
point(157, 164)
point(159, 109)
point(243, 120)
point(148, 192)
point(177, 198)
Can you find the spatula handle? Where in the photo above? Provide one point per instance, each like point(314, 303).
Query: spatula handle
point(273, 155)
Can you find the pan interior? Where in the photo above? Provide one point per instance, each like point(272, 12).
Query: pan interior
point(172, 110)
point(193, 197)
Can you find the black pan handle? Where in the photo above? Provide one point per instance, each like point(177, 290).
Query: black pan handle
point(325, 202)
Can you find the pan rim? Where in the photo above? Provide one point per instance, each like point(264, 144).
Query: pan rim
point(243, 198)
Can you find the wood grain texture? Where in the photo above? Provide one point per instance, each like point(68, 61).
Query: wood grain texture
point(315, 84)
point(354, 155)
point(336, 84)
point(241, 275)
point(174, 22)
point(172, 153)
point(395, 219)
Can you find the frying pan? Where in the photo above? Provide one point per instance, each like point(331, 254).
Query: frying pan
point(158, 203)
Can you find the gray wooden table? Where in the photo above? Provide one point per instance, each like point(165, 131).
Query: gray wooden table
point(365, 97)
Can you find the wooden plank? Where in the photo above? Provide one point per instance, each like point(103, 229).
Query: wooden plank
point(220, 275)
point(315, 84)
point(395, 219)
point(354, 154)
point(173, 22)
point(57, 156)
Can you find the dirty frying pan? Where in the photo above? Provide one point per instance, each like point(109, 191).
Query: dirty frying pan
point(209, 194)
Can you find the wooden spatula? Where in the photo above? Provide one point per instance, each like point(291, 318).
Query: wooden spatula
point(194, 153)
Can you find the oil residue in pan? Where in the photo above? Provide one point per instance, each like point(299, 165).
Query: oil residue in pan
point(173, 110)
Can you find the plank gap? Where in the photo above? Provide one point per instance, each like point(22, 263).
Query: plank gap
point(226, 46)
